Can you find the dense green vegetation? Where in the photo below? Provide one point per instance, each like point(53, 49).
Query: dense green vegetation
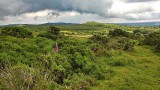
point(90, 56)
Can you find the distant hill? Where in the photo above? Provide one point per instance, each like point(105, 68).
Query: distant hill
point(141, 24)
point(92, 23)
point(59, 23)
point(16, 25)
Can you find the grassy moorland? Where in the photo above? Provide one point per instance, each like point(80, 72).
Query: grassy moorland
point(140, 71)
point(91, 56)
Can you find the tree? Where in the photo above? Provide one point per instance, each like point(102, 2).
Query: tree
point(54, 30)
point(52, 33)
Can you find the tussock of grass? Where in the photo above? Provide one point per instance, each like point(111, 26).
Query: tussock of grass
point(137, 70)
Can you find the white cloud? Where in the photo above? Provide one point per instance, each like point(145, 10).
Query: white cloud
point(44, 17)
point(137, 11)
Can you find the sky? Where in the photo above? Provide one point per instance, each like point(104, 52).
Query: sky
point(78, 11)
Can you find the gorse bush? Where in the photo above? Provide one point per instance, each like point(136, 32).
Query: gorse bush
point(157, 48)
point(98, 38)
point(80, 56)
point(118, 32)
point(18, 32)
point(152, 38)
point(116, 42)
point(30, 62)
point(26, 51)
point(53, 33)
point(102, 45)
point(74, 57)
point(137, 31)
point(121, 43)
point(54, 30)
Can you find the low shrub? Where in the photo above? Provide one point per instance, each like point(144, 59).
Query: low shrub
point(152, 39)
point(157, 48)
point(137, 31)
point(18, 32)
point(52, 33)
point(117, 40)
point(118, 32)
point(121, 43)
point(98, 38)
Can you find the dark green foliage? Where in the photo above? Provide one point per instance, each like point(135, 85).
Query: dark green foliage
point(137, 35)
point(145, 32)
point(152, 39)
point(157, 48)
point(118, 32)
point(54, 30)
point(102, 44)
point(74, 57)
point(81, 57)
point(52, 33)
point(97, 38)
point(18, 32)
point(15, 50)
point(121, 43)
point(47, 35)
point(81, 27)
point(136, 31)
point(107, 43)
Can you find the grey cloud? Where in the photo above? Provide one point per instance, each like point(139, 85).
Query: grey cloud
point(35, 18)
point(156, 15)
point(142, 16)
point(13, 7)
point(53, 14)
point(141, 10)
point(88, 6)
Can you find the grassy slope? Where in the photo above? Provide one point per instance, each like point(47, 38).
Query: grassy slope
point(140, 69)
point(142, 74)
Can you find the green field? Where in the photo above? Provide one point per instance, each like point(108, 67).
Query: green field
point(91, 56)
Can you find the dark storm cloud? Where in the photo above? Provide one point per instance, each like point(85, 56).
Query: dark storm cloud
point(14, 7)
point(88, 6)
point(11, 7)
